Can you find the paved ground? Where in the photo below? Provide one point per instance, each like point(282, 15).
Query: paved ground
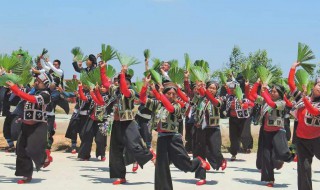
point(67, 173)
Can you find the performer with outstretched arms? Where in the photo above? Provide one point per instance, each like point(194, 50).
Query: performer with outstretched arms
point(170, 147)
point(31, 145)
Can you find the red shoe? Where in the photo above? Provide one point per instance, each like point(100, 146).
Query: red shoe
point(270, 184)
point(204, 163)
point(201, 182)
point(224, 164)
point(295, 158)
point(135, 167)
point(24, 180)
point(73, 151)
point(154, 156)
point(48, 160)
point(119, 181)
point(103, 158)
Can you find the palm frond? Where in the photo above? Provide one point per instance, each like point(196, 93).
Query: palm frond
point(107, 53)
point(187, 61)
point(238, 93)
point(130, 72)
point(304, 53)
point(44, 52)
point(76, 51)
point(110, 71)
point(155, 76)
point(156, 64)
point(197, 73)
point(8, 62)
point(247, 71)
point(176, 75)
point(26, 77)
point(146, 54)
point(302, 79)
point(223, 78)
point(126, 60)
point(203, 64)
point(264, 74)
point(9, 77)
point(71, 85)
point(85, 79)
point(308, 67)
point(174, 63)
point(137, 86)
point(310, 87)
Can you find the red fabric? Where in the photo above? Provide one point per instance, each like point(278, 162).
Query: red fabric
point(81, 94)
point(212, 99)
point(99, 97)
point(254, 92)
point(247, 90)
point(304, 131)
point(312, 110)
point(143, 94)
point(202, 91)
point(187, 88)
point(182, 104)
point(94, 98)
point(266, 96)
point(182, 95)
point(30, 98)
point(167, 104)
point(291, 82)
point(247, 105)
point(123, 86)
point(228, 90)
point(288, 102)
point(157, 95)
point(104, 79)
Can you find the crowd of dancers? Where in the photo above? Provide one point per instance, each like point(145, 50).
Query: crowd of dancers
point(130, 112)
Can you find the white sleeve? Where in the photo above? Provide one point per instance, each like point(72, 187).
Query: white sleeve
point(59, 72)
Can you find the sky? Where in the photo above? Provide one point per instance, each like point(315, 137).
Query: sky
point(206, 29)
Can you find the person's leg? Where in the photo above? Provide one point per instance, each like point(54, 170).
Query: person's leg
point(188, 136)
point(116, 160)
point(281, 148)
point(86, 142)
point(214, 142)
point(260, 149)
point(51, 131)
point(267, 173)
point(163, 179)
point(101, 141)
point(200, 150)
point(246, 137)
point(234, 135)
point(7, 132)
point(305, 156)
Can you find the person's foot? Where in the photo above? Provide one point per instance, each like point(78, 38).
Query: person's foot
point(48, 159)
point(119, 181)
point(295, 159)
point(223, 164)
point(74, 151)
point(135, 167)
point(24, 180)
point(204, 163)
point(270, 184)
point(10, 149)
point(248, 151)
point(103, 158)
point(201, 182)
point(154, 158)
point(233, 158)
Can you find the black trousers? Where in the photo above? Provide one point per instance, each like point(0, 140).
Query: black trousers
point(246, 137)
point(7, 126)
point(287, 128)
point(208, 143)
point(75, 126)
point(170, 149)
point(90, 131)
point(145, 130)
point(15, 127)
point(4, 97)
point(188, 135)
point(236, 127)
point(294, 134)
point(307, 148)
point(31, 146)
point(51, 130)
point(125, 134)
point(275, 147)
